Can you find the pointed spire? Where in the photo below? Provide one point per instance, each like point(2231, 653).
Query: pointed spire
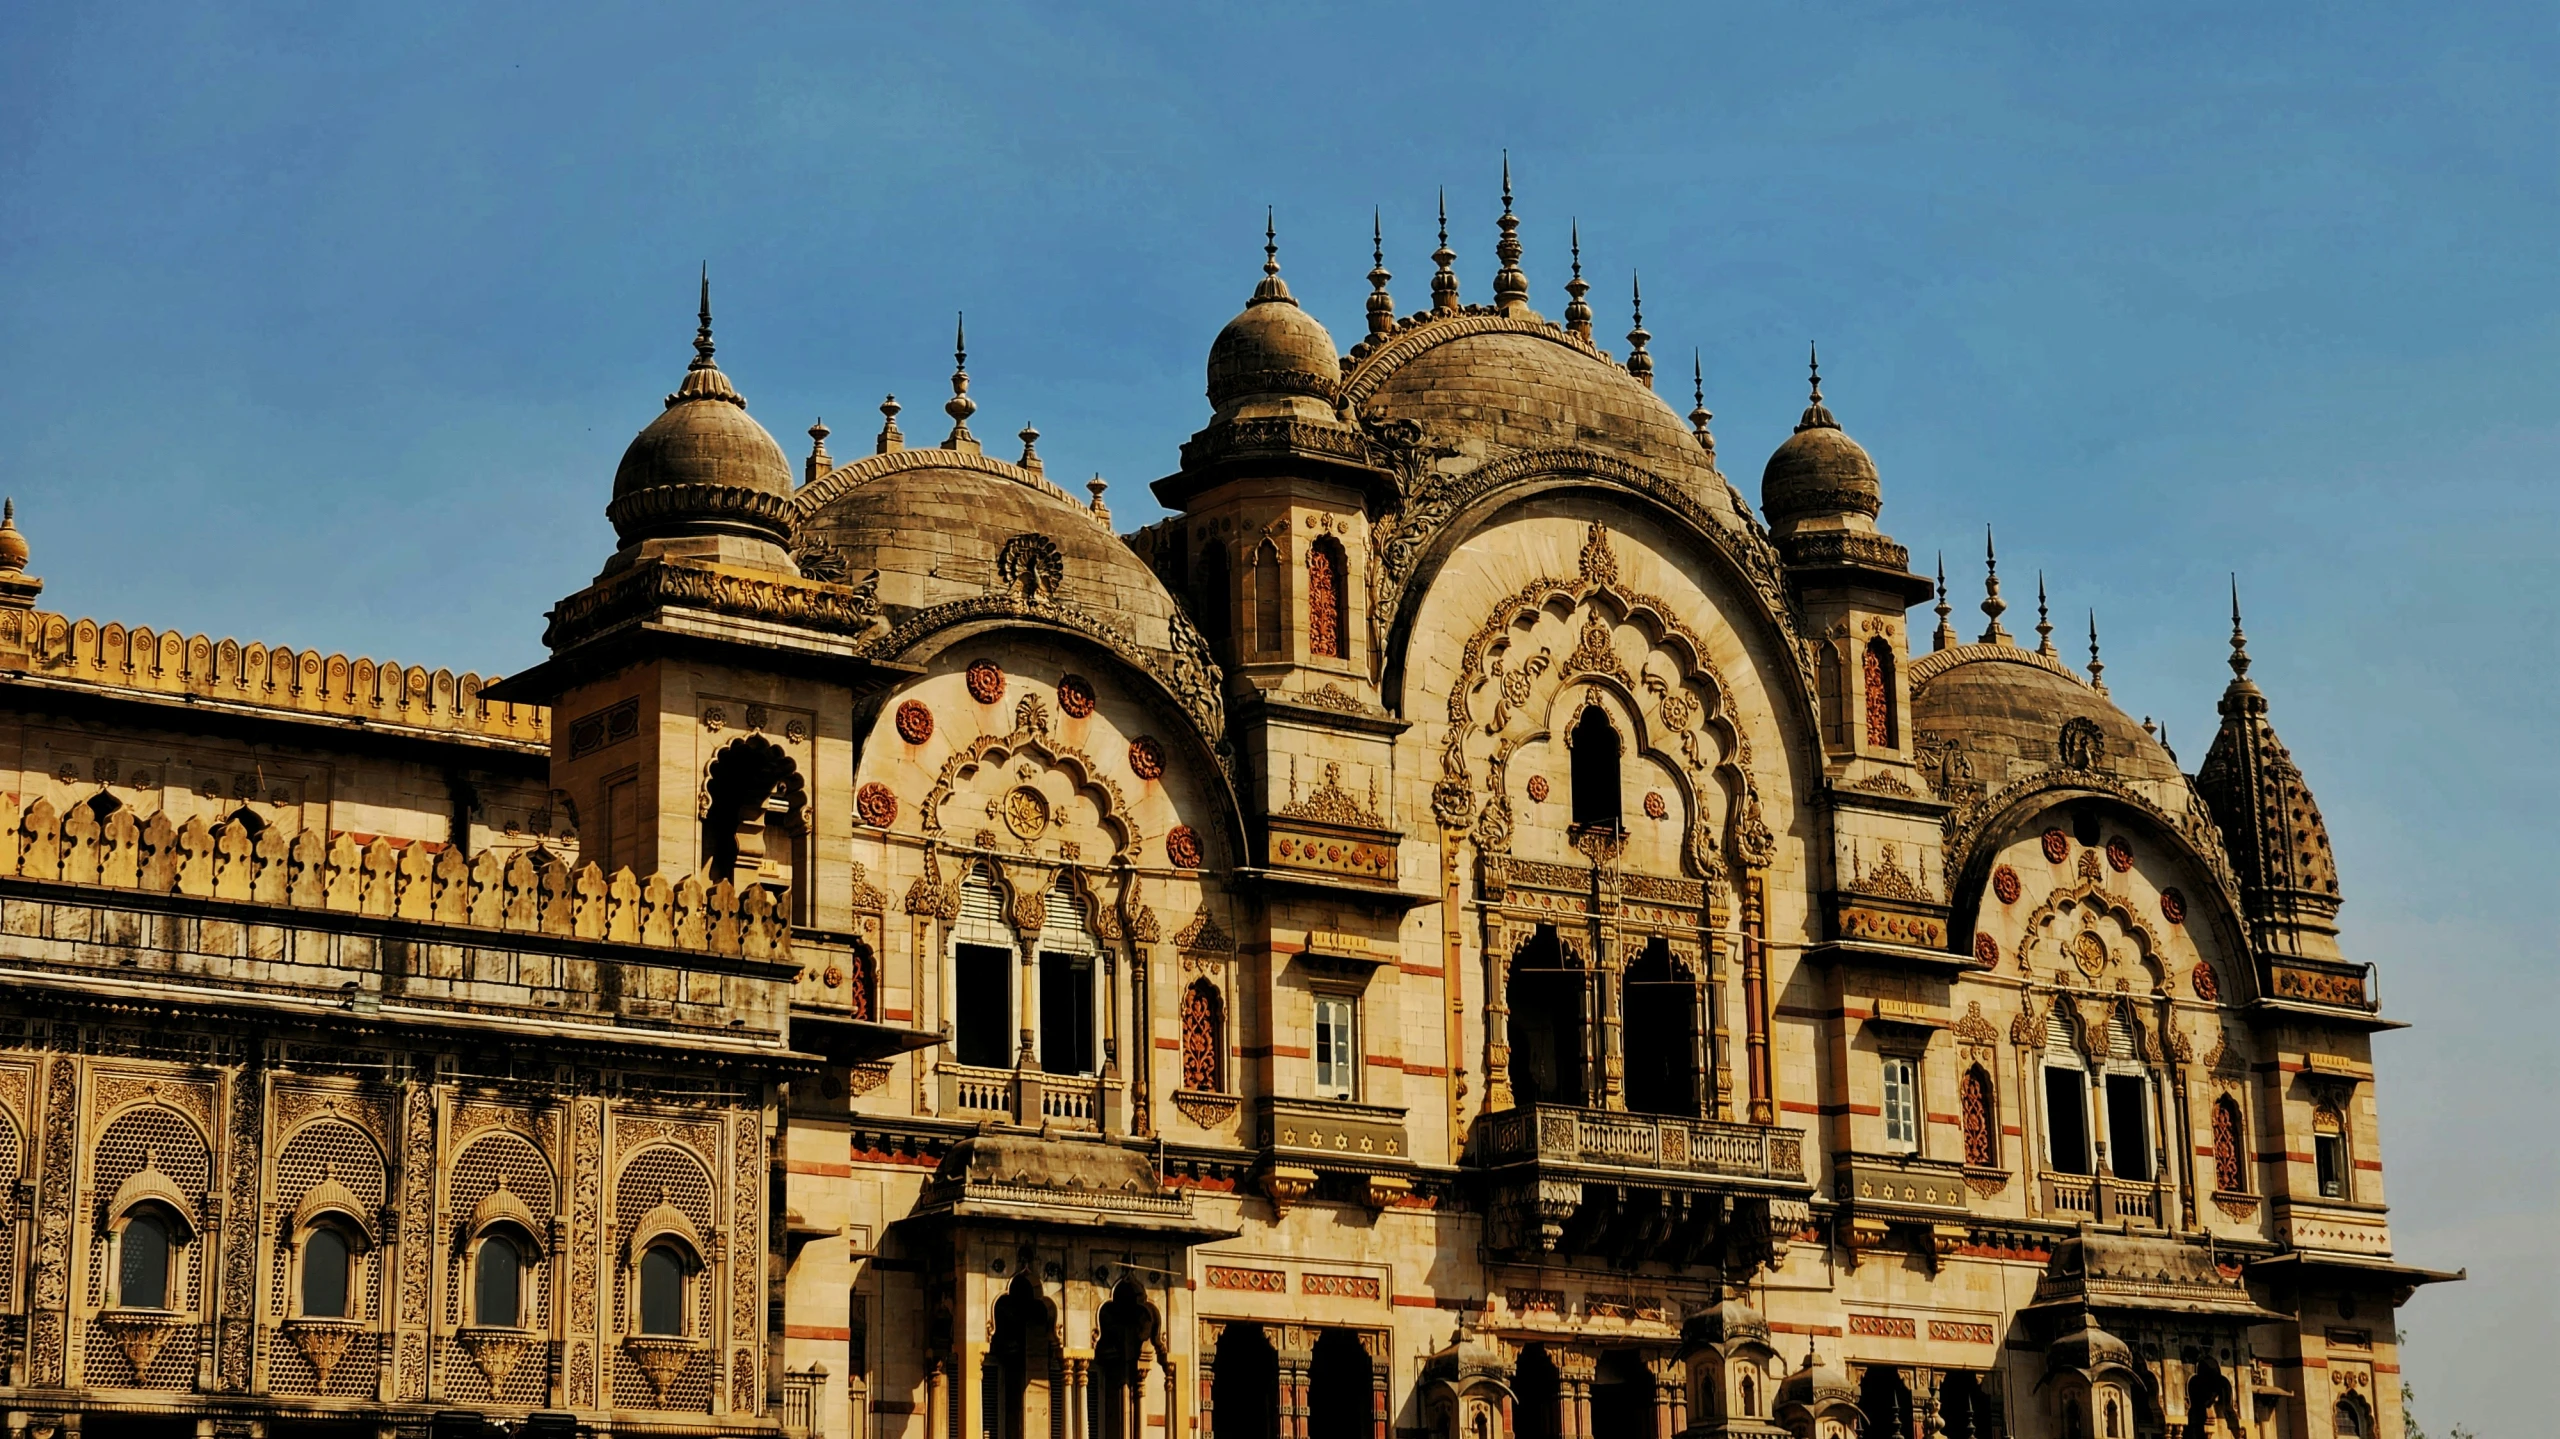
point(1639, 361)
point(1699, 414)
point(819, 461)
point(1817, 416)
point(2239, 640)
point(1095, 487)
point(1946, 636)
point(1029, 434)
point(1273, 289)
point(889, 439)
point(2044, 624)
point(1577, 313)
point(1382, 310)
point(1992, 604)
point(960, 407)
point(1444, 280)
point(2097, 666)
point(702, 378)
point(1510, 286)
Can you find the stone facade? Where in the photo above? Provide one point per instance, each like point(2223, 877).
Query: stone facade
point(1467, 928)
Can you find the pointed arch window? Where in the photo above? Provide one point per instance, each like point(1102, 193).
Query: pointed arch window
point(2230, 1175)
point(1981, 1129)
point(1213, 583)
point(2066, 1098)
point(1595, 771)
point(1328, 600)
point(144, 1251)
point(1877, 678)
point(2329, 1151)
point(1203, 1038)
point(1267, 599)
point(2128, 1095)
point(1833, 682)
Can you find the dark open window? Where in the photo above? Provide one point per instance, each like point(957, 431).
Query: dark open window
point(662, 1290)
point(1661, 1009)
point(1546, 1024)
point(2128, 1127)
point(142, 1267)
point(497, 1283)
point(324, 1274)
point(1066, 1013)
point(2066, 1118)
point(2329, 1153)
point(1213, 583)
point(981, 1005)
point(1595, 770)
point(1267, 600)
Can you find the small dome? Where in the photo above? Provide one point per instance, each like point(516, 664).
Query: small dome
point(705, 437)
point(2087, 1349)
point(1819, 471)
point(13, 545)
point(1273, 348)
point(1816, 1386)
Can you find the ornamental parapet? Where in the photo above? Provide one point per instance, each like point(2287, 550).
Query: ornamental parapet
point(848, 611)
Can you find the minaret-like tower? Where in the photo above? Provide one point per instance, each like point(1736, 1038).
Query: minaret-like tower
point(2270, 824)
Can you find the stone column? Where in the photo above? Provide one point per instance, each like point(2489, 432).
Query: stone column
point(1755, 998)
point(1498, 948)
point(1079, 1373)
point(937, 1398)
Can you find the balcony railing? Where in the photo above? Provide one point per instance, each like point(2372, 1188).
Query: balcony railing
point(1030, 1097)
point(2099, 1200)
point(1557, 1134)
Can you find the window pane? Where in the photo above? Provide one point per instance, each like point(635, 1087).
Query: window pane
point(2128, 1127)
point(1066, 1013)
point(2066, 1119)
point(142, 1278)
point(324, 1275)
point(1901, 1111)
point(1334, 1058)
point(2330, 1153)
point(661, 1291)
point(498, 1279)
point(982, 1005)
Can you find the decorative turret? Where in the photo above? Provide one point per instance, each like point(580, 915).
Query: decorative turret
point(2279, 847)
point(1382, 306)
point(1510, 285)
point(1577, 312)
point(1821, 496)
point(1274, 359)
point(1639, 359)
point(703, 480)
point(18, 589)
point(1444, 279)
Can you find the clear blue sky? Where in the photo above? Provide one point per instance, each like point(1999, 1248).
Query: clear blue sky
point(327, 324)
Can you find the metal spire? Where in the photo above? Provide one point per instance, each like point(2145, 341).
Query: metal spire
point(2239, 641)
point(960, 407)
point(1992, 604)
point(1510, 286)
point(1382, 310)
point(1577, 313)
point(1444, 280)
point(2044, 623)
point(1639, 363)
point(1699, 414)
point(1273, 288)
point(1946, 636)
point(1817, 416)
point(2097, 667)
point(702, 346)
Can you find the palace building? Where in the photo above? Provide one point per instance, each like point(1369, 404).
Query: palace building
point(1471, 927)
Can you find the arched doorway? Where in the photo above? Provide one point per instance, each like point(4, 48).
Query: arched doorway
point(1121, 1341)
point(1965, 1408)
point(1023, 1379)
point(1536, 1389)
point(1244, 1395)
point(1661, 1018)
point(1545, 995)
point(1622, 1396)
point(1339, 1391)
point(1886, 1401)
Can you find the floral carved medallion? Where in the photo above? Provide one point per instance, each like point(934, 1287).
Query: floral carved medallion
point(2207, 984)
point(1182, 847)
point(1986, 949)
point(874, 805)
point(915, 722)
point(1026, 812)
point(2004, 883)
point(1075, 697)
point(2173, 906)
point(2119, 854)
point(1655, 806)
point(1537, 789)
point(2057, 846)
point(2089, 952)
point(1146, 757)
point(986, 681)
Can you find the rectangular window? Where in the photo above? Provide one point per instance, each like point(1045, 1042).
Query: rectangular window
point(1902, 1104)
point(2129, 1127)
point(2066, 1119)
point(2329, 1152)
point(982, 1005)
point(1066, 1013)
point(1337, 1058)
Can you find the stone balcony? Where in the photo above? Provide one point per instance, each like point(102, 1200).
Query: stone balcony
point(1027, 1097)
point(2095, 1199)
point(1305, 1140)
point(1567, 1179)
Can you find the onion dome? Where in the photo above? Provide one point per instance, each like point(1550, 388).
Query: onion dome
point(1815, 1387)
point(2270, 824)
point(2085, 1348)
point(1819, 470)
point(1274, 350)
point(13, 545)
point(703, 479)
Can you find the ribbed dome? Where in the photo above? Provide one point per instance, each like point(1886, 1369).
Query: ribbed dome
point(1272, 349)
point(1819, 471)
point(703, 478)
point(2004, 708)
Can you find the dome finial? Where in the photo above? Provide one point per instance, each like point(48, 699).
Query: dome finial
point(702, 378)
point(1029, 434)
point(1817, 415)
point(2097, 667)
point(960, 407)
point(1273, 289)
point(1095, 487)
point(2044, 623)
point(1510, 286)
point(1577, 313)
point(819, 461)
point(702, 346)
point(17, 590)
point(1444, 280)
point(1382, 309)
point(1992, 604)
point(1639, 361)
point(2239, 640)
point(1946, 637)
point(889, 439)
point(1699, 414)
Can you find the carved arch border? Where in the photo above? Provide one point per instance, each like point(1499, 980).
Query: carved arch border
point(2090, 894)
point(1187, 672)
point(843, 480)
point(1598, 579)
point(1413, 542)
point(1032, 734)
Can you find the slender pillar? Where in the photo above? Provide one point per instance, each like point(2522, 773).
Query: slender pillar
point(1497, 1014)
point(937, 1398)
point(1582, 1409)
point(1453, 953)
point(1755, 998)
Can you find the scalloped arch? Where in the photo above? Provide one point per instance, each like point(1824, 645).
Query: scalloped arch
point(1972, 845)
point(844, 479)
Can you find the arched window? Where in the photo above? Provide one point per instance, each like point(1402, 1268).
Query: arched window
point(246, 818)
point(751, 829)
point(2115, 1417)
point(859, 974)
point(1213, 585)
point(2128, 1092)
point(2229, 1174)
point(1833, 681)
point(325, 1264)
point(1878, 681)
point(1661, 1009)
point(662, 1272)
point(2066, 1097)
point(1267, 599)
point(1981, 1130)
point(982, 975)
point(2350, 1422)
point(1203, 1038)
point(1595, 770)
point(103, 804)
point(497, 1283)
point(1750, 1396)
point(1546, 1031)
point(1069, 959)
point(143, 1253)
point(2329, 1151)
point(1328, 601)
